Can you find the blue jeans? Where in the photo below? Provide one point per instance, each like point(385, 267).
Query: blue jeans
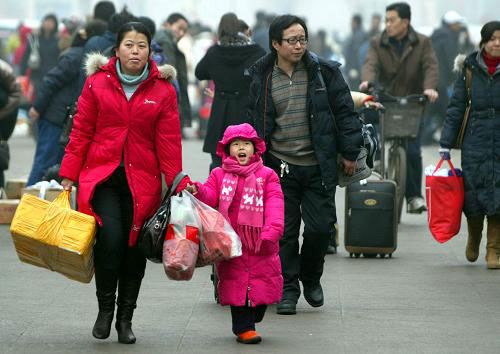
point(48, 150)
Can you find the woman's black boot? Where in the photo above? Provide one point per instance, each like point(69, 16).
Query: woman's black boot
point(106, 282)
point(128, 291)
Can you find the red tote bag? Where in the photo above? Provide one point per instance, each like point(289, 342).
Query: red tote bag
point(445, 201)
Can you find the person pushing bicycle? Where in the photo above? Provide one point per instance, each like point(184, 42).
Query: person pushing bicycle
point(403, 62)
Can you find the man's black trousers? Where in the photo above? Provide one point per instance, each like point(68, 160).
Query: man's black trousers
point(306, 199)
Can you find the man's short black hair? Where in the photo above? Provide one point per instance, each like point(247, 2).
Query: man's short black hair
point(173, 18)
point(280, 24)
point(402, 8)
point(358, 20)
point(103, 10)
point(119, 19)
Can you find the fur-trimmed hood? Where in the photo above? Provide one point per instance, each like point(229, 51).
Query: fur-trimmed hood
point(95, 61)
point(458, 65)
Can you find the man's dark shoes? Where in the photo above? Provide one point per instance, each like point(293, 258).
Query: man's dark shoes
point(286, 307)
point(314, 295)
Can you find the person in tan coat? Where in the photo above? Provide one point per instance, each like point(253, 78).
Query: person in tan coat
point(403, 62)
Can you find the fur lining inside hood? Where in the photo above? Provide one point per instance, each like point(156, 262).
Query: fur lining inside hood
point(95, 61)
point(458, 65)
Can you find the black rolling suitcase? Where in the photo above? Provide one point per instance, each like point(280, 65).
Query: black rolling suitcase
point(371, 222)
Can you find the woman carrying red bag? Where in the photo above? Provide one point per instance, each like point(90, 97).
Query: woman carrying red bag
point(481, 142)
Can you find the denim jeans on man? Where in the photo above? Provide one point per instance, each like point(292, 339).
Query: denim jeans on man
point(48, 150)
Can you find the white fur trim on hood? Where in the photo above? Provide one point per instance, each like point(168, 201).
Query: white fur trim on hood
point(95, 61)
point(459, 63)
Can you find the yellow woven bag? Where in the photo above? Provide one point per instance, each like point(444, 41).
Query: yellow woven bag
point(52, 236)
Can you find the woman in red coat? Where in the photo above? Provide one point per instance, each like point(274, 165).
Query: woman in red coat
point(125, 134)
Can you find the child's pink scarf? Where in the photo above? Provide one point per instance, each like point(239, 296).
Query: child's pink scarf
point(251, 211)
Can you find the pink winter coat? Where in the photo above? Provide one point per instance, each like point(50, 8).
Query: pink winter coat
point(257, 276)
point(144, 131)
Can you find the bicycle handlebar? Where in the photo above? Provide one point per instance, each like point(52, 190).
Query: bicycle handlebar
point(382, 96)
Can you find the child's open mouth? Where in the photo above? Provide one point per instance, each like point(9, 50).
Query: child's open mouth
point(242, 155)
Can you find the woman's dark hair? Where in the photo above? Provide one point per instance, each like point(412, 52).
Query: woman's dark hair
point(53, 18)
point(487, 31)
point(229, 26)
point(93, 28)
point(132, 26)
point(149, 23)
point(402, 8)
point(280, 24)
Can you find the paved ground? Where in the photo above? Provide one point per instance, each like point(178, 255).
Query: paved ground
point(426, 299)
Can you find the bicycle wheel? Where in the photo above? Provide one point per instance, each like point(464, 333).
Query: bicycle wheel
point(397, 172)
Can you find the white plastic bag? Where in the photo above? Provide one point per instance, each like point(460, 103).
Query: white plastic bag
point(181, 246)
point(218, 240)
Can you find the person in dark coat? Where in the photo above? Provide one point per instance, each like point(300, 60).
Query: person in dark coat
point(445, 42)
point(47, 42)
point(225, 63)
point(174, 28)
point(481, 142)
point(59, 90)
point(351, 51)
point(10, 98)
point(291, 108)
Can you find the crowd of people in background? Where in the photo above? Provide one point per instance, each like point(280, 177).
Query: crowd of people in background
point(182, 43)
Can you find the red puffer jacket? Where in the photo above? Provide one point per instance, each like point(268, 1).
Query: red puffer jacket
point(144, 131)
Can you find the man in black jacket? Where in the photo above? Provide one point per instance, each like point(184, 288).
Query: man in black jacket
point(303, 109)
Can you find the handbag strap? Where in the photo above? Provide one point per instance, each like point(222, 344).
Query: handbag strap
point(174, 186)
point(449, 163)
point(468, 88)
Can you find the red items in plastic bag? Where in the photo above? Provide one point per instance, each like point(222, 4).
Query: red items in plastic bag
point(445, 201)
point(218, 240)
point(181, 246)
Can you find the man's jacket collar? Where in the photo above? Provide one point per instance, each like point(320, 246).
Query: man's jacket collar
point(310, 60)
point(412, 37)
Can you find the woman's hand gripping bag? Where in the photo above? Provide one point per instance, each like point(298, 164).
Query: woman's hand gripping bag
point(445, 201)
point(182, 242)
point(218, 240)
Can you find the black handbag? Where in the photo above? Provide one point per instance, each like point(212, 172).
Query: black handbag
point(4, 155)
point(152, 235)
point(68, 125)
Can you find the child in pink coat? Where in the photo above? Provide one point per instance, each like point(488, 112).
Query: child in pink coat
point(249, 195)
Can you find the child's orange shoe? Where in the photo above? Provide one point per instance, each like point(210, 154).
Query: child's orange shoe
point(249, 337)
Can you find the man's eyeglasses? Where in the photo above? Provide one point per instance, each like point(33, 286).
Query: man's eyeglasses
point(294, 40)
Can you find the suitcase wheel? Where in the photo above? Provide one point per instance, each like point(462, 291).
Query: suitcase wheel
point(357, 255)
point(390, 255)
point(369, 255)
point(382, 255)
point(351, 254)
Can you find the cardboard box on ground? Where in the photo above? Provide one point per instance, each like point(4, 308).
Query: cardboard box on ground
point(15, 188)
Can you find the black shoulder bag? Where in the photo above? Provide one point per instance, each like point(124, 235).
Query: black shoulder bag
point(150, 241)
